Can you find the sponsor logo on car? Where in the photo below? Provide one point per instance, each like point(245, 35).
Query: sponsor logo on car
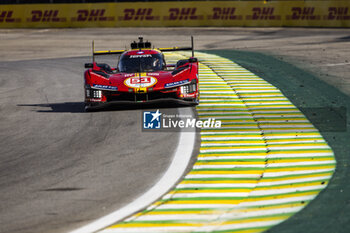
point(105, 87)
point(153, 74)
point(141, 55)
point(140, 82)
point(178, 83)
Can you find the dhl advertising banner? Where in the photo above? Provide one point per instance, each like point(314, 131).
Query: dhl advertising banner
point(196, 13)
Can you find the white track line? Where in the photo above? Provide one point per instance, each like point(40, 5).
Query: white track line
point(338, 64)
point(169, 179)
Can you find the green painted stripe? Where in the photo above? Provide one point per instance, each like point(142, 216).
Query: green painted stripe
point(211, 189)
point(258, 169)
point(221, 179)
point(269, 140)
point(233, 160)
point(278, 110)
point(270, 146)
point(235, 134)
point(279, 195)
point(240, 230)
point(301, 158)
point(233, 130)
point(269, 159)
point(160, 222)
point(291, 176)
point(234, 152)
point(314, 182)
point(305, 150)
point(237, 139)
point(298, 203)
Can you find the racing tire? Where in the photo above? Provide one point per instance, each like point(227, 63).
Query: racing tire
point(193, 102)
point(196, 100)
point(87, 108)
point(91, 107)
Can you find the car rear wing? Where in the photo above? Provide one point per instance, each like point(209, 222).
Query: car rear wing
point(104, 52)
point(179, 48)
point(140, 45)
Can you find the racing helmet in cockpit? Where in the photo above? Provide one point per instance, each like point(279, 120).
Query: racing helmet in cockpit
point(142, 62)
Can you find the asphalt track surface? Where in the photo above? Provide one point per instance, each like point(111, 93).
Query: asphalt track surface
point(61, 168)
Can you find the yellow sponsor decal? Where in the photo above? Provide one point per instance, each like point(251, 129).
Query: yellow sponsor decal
point(207, 13)
point(140, 90)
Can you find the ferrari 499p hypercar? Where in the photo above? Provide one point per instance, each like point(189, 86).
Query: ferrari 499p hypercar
point(141, 75)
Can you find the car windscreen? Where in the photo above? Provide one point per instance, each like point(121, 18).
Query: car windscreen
point(140, 63)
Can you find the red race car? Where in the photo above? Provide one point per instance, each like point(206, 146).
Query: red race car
point(141, 76)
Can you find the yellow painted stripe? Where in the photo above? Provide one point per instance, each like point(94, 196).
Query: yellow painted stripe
point(231, 172)
point(219, 212)
point(238, 190)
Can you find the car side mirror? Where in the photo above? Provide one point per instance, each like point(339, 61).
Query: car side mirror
point(193, 60)
point(89, 65)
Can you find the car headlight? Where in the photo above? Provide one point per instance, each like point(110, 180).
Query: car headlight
point(187, 89)
point(93, 93)
point(96, 94)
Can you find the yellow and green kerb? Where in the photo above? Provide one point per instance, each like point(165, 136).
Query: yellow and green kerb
point(263, 165)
